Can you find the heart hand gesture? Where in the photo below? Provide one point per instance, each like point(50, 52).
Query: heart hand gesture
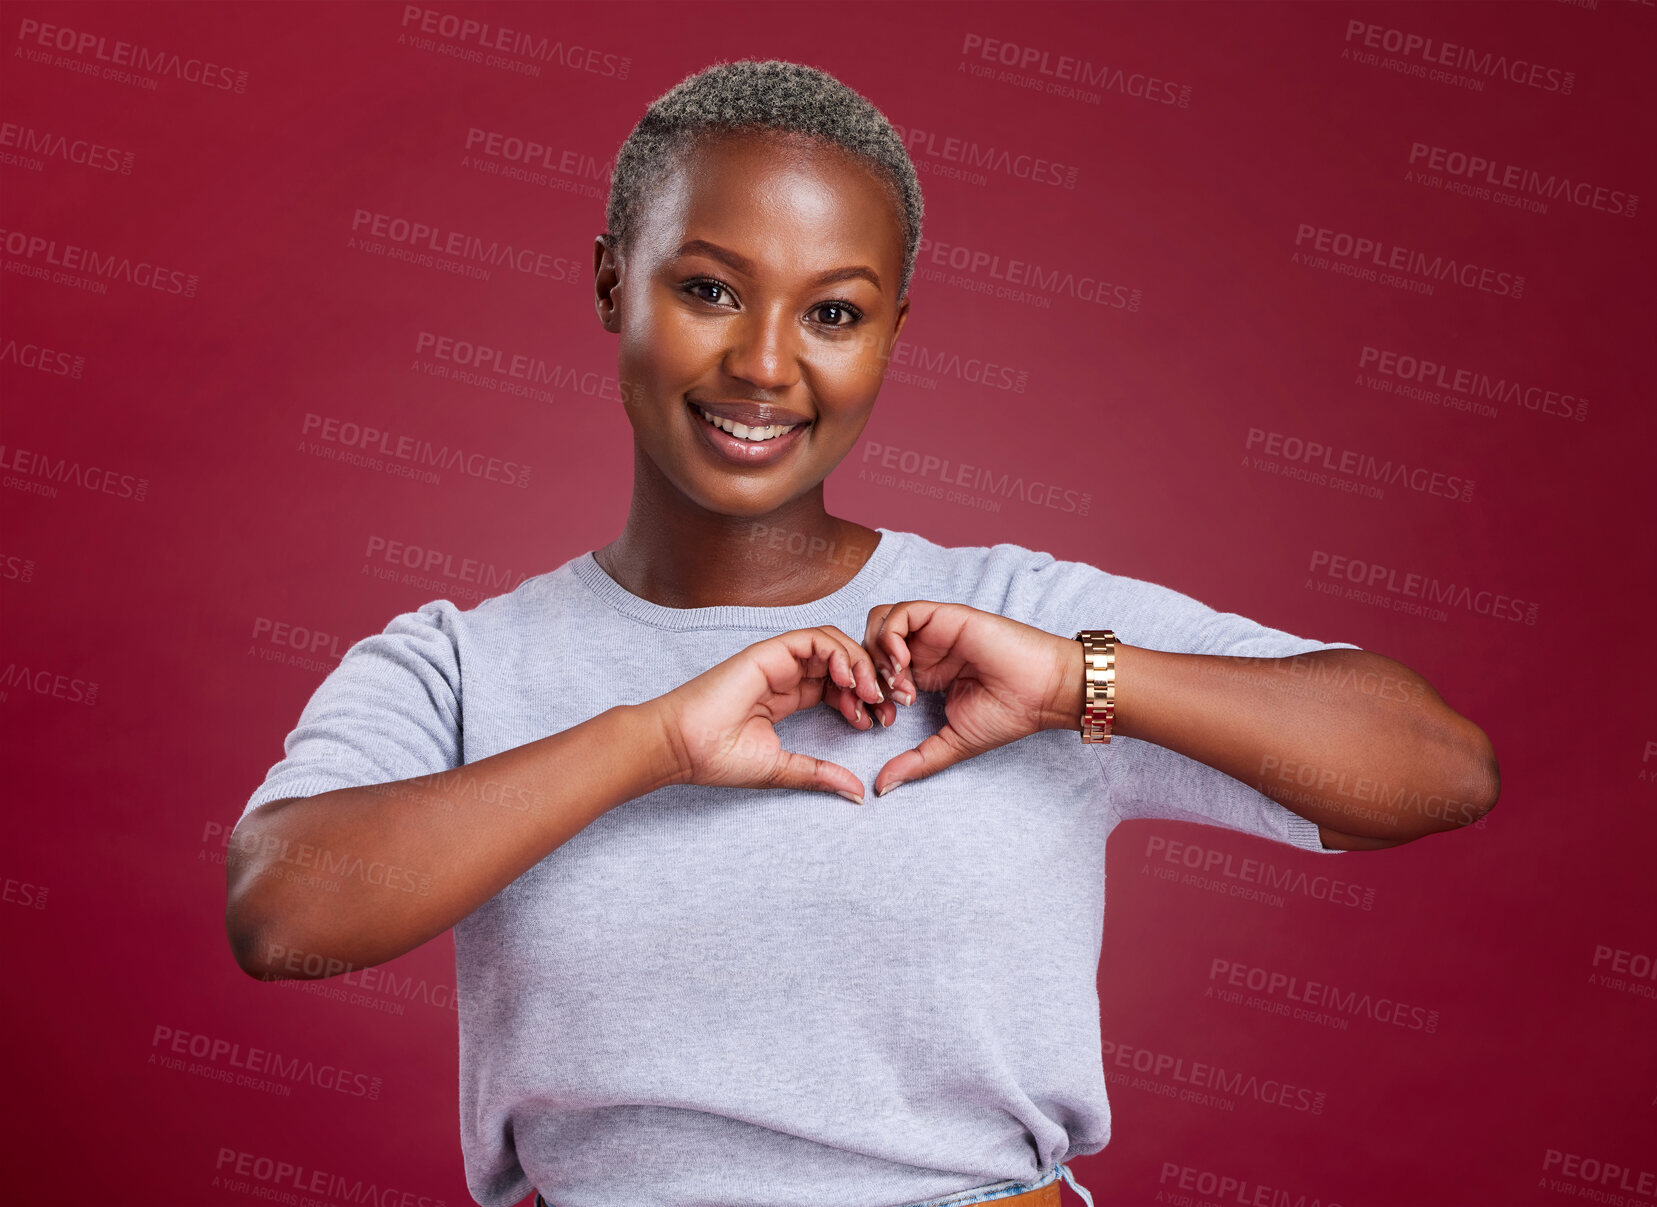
point(1003, 680)
point(720, 726)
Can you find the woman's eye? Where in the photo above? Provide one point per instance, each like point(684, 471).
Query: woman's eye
point(837, 310)
point(829, 314)
point(696, 285)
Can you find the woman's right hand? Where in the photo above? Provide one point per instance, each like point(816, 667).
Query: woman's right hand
point(719, 724)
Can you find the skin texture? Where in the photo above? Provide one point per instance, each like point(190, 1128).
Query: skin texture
point(743, 318)
point(701, 326)
point(793, 210)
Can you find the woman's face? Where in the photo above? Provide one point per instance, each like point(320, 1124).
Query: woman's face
point(760, 285)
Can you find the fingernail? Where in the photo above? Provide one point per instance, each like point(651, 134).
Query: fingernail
point(886, 674)
point(888, 787)
point(857, 712)
point(851, 796)
point(880, 696)
point(905, 696)
point(881, 717)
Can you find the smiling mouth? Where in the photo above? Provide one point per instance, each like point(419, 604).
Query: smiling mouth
point(756, 435)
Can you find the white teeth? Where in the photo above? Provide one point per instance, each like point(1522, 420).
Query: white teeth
point(742, 431)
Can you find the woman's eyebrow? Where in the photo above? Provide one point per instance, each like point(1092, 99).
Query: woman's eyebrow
point(744, 265)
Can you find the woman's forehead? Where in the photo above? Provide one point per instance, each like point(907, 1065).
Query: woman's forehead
point(741, 160)
point(742, 189)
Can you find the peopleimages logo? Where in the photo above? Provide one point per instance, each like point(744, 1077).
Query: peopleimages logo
point(51, 361)
point(1006, 484)
point(511, 157)
point(973, 156)
point(28, 141)
point(221, 1056)
point(1603, 1176)
point(98, 49)
point(1479, 169)
point(1432, 53)
point(1424, 371)
point(290, 1178)
point(432, 246)
point(1380, 580)
point(72, 258)
point(1198, 1076)
point(1208, 863)
point(46, 683)
point(1218, 1189)
point(1618, 968)
point(16, 569)
point(22, 893)
point(1291, 990)
point(1064, 75)
point(477, 37)
point(42, 474)
point(1377, 260)
point(413, 450)
point(1021, 280)
point(1361, 466)
point(431, 569)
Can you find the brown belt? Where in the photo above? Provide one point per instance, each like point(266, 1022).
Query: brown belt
point(1044, 1196)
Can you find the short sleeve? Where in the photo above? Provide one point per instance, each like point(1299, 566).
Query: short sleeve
point(1141, 779)
point(389, 711)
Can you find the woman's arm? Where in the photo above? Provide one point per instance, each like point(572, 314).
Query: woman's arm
point(1349, 739)
point(324, 884)
point(346, 879)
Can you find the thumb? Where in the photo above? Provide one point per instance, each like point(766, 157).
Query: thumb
point(793, 770)
point(935, 752)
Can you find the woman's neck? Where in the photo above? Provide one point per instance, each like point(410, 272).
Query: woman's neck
point(686, 557)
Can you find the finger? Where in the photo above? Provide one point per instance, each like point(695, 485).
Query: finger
point(838, 684)
point(840, 693)
point(858, 681)
point(935, 752)
point(795, 770)
point(824, 664)
point(902, 677)
point(840, 666)
point(810, 661)
point(862, 665)
point(885, 635)
point(880, 618)
point(845, 702)
point(882, 712)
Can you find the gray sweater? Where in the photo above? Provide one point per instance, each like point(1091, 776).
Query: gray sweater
point(771, 997)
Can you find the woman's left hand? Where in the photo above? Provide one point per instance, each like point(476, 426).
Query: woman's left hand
point(1002, 680)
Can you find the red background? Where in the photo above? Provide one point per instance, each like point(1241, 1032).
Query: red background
point(1540, 1063)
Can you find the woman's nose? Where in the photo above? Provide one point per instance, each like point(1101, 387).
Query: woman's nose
point(763, 349)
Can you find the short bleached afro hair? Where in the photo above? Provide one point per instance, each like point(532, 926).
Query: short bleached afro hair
point(770, 94)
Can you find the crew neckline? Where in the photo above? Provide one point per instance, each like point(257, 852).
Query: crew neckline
point(779, 618)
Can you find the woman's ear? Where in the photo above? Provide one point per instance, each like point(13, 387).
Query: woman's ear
point(903, 314)
point(606, 280)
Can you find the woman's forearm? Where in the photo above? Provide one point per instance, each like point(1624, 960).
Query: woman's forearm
point(358, 876)
point(1348, 739)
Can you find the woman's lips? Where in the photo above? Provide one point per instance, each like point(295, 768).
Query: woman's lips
point(739, 451)
point(753, 414)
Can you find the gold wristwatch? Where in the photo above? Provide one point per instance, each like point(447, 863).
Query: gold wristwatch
point(1099, 683)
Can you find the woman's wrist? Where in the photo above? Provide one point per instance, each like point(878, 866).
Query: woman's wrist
point(1067, 694)
point(1067, 690)
point(658, 757)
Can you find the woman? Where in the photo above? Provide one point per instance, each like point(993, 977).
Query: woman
point(689, 971)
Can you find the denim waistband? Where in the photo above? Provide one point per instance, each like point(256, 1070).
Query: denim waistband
point(1006, 1190)
point(978, 1194)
